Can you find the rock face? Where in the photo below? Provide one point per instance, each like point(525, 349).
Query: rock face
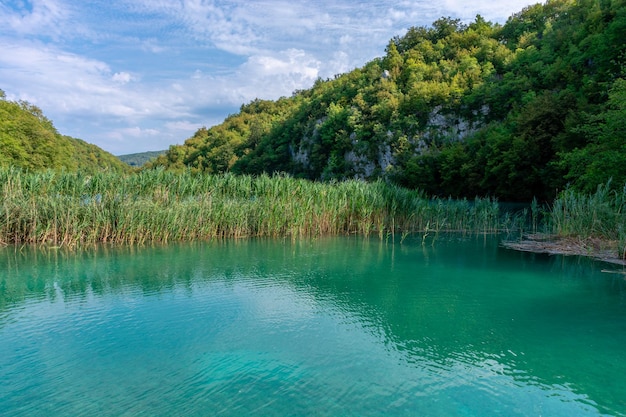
point(450, 126)
point(365, 159)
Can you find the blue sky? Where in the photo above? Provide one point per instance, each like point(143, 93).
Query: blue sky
point(139, 75)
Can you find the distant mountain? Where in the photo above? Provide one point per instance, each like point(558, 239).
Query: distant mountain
point(30, 141)
point(136, 160)
point(514, 111)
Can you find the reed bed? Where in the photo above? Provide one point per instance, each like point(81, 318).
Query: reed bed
point(601, 215)
point(69, 209)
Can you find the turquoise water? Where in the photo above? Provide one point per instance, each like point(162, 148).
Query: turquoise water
point(329, 327)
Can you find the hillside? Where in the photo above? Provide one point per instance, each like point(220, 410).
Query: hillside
point(138, 159)
point(515, 111)
point(30, 141)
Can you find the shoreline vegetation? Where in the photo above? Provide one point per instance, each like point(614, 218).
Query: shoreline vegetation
point(592, 225)
point(70, 209)
point(603, 250)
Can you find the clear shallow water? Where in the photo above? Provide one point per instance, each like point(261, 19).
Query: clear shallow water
point(326, 327)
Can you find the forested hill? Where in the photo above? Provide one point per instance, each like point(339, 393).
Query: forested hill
point(516, 111)
point(30, 141)
point(138, 159)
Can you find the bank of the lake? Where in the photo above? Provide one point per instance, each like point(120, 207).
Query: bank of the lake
point(69, 209)
point(151, 206)
point(591, 225)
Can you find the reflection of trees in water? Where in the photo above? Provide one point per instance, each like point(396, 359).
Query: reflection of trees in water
point(42, 272)
point(454, 302)
point(522, 311)
point(348, 268)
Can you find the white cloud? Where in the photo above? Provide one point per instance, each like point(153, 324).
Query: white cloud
point(182, 125)
point(50, 72)
point(490, 10)
point(79, 83)
point(291, 61)
point(152, 45)
point(136, 139)
point(134, 132)
point(122, 77)
point(339, 63)
point(397, 15)
point(43, 16)
point(134, 75)
point(267, 76)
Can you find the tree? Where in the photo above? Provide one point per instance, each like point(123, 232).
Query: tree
point(29, 140)
point(603, 158)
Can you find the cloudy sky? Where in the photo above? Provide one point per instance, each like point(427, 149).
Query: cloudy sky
point(139, 75)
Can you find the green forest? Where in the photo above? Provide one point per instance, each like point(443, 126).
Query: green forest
point(516, 111)
point(138, 159)
point(29, 140)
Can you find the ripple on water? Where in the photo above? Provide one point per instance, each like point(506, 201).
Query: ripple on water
point(339, 336)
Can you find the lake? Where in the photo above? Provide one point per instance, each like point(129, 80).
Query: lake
point(327, 327)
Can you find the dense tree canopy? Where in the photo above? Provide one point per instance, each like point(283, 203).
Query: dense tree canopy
point(516, 111)
point(29, 140)
point(136, 160)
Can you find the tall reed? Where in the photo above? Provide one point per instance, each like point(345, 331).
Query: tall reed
point(64, 208)
point(600, 215)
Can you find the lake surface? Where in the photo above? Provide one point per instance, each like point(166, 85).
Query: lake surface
point(328, 327)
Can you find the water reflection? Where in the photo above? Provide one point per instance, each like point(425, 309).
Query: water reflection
point(465, 325)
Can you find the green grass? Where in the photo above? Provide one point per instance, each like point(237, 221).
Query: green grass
point(69, 209)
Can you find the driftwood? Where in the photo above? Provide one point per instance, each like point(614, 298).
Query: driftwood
point(614, 272)
point(553, 245)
